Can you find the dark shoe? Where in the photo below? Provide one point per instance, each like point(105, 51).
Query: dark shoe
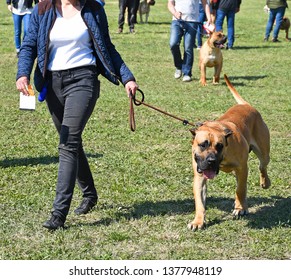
point(266, 39)
point(86, 205)
point(131, 30)
point(55, 222)
point(275, 40)
point(119, 31)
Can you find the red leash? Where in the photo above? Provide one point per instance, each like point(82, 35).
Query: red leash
point(134, 101)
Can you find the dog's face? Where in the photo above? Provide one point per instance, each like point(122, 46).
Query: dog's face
point(217, 40)
point(208, 148)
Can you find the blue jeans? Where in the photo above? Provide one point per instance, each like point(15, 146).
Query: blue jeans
point(71, 98)
point(187, 30)
point(230, 16)
point(17, 19)
point(275, 14)
point(202, 18)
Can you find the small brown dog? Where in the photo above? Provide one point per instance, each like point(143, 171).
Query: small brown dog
point(224, 145)
point(285, 25)
point(211, 56)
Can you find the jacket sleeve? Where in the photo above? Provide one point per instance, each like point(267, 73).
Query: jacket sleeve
point(28, 50)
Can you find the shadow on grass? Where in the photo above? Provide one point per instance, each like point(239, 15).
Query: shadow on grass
point(276, 214)
point(267, 46)
point(28, 161)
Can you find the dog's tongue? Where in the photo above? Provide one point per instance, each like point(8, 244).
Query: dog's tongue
point(209, 174)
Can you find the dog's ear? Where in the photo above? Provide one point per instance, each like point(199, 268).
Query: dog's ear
point(227, 133)
point(193, 131)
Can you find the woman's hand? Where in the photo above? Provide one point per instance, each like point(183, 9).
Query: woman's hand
point(22, 85)
point(131, 87)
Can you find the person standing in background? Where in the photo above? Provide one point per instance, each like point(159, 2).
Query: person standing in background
point(277, 12)
point(184, 25)
point(130, 5)
point(228, 9)
point(21, 10)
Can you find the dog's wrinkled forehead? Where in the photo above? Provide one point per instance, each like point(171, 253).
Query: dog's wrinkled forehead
point(206, 136)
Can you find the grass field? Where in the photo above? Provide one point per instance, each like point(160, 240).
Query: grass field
point(144, 179)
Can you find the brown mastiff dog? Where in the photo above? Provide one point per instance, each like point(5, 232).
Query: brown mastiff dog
point(224, 145)
point(285, 25)
point(211, 56)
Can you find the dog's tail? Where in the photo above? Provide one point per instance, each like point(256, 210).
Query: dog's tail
point(235, 94)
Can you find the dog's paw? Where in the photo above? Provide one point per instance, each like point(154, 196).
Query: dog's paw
point(265, 182)
point(196, 225)
point(238, 213)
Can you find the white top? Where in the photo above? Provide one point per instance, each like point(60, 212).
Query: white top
point(70, 44)
point(189, 9)
point(21, 10)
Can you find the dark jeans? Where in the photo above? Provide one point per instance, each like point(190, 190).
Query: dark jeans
point(202, 18)
point(130, 5)
point(71, 98)
point(230, 17)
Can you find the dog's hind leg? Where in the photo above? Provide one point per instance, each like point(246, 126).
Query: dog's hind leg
point(261, 147)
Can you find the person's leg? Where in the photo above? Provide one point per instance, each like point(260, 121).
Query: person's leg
point(270, 24)
point(122, 8)
point(26, 19)
point(220, 15)
point(131, 15)
point(189, 40)
point(71, 101)
point(175, 41)
point(17, 20)
point(279, 18)
point(199, 27)
point(230, 29)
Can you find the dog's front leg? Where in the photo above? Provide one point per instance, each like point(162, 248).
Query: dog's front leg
point(217, 71)
point(203, 74)
point(199, 190)
point(240, 204)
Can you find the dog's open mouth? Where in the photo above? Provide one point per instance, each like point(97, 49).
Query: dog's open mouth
point(209, 174)
point(219, 45)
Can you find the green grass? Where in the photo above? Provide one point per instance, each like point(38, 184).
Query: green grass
point(144, 179)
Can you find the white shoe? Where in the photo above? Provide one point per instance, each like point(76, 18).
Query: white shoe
point(187, 78)
point(178, 74)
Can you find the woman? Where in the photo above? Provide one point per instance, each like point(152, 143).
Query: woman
point(277, 12)
point(21, 10)
point(71, 42)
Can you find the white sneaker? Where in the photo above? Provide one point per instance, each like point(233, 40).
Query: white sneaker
point(178, 74)
point(187, 78)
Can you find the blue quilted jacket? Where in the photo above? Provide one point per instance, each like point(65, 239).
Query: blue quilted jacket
point(35, 44)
